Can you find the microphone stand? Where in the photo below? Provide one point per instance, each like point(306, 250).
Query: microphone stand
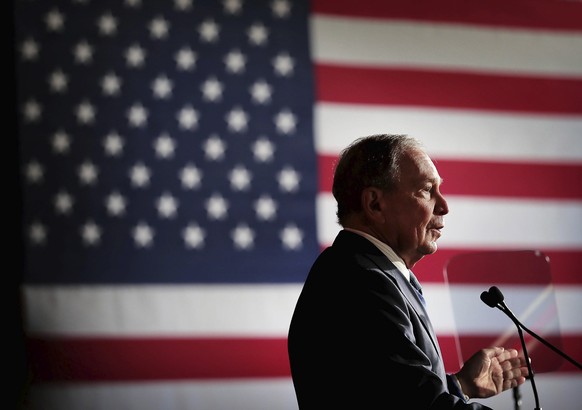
point(503, 307)
point(516, 397)
point(494, 298)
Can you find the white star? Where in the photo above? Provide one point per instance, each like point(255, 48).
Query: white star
point(281, 8)
point(183, 5)
point(115, 204)
point(113, 144)
point(283, 64)
point(211, 89)
point(32, 111)
point(194, 236)
point(139, 175)
point(188, 118)
point(85, 113)
point(107, 24)
point(58, 81)
point(285, 122)
point(111, 84)
point(265, 208)
point(55, 20)
point(135, 56)
point(291, 237)
point(162, 87)
point(88, 173)
point(214, 148)
point(137, 115)
point(261, 92)
point(34, 171)
point(237, 120)
point(288, 179)
point(263, 150)
point(240, 178)
point(209, 31)
point(143, 235)
point(61, 142)
point(243, 237)
point(232, 6)
point(83, 52)
point(29, 49)
point(167, 205)
point(258, 34)
point(216, 207)
point(235, 62)
point(63, 203)
point(164, 146)
point(159, 28)
point(185, 59)
point(190, 176)
point(37, 233)
point(91, 233)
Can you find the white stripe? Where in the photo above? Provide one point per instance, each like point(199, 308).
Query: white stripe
point(489, 222)
point(558, 391)
point(454, 133)
point(555, 391)
point(495, 222)
point(459, 309)
point(195, 310)
point(235, 310)
point(271, 394)
point(367, 42)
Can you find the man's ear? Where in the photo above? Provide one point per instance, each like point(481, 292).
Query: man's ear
point(372, 204)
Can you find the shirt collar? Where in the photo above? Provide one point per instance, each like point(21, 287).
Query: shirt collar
point(387, 251)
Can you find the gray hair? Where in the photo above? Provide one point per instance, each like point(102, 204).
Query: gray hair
point(372, 161)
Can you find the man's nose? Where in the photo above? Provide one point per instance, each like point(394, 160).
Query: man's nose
point(442, 206)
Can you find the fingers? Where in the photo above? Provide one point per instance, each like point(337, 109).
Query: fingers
point(513, 376)
point(493, 351)
point(512, 362)
point(511, 383)
point(506, 354)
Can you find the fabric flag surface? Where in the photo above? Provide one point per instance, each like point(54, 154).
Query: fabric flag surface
point(176, 160)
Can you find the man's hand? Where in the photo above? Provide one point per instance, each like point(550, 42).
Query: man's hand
point(492, 371)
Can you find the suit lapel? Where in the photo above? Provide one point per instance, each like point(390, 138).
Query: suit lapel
point(359, 244)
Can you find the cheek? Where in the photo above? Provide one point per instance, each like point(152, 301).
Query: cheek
point(424, 218)
point(424, 215)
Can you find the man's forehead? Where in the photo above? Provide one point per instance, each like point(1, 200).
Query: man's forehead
point(417, 162)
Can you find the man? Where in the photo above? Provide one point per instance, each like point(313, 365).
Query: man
point(360, 336)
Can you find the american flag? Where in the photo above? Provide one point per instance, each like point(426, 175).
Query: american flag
point(176, 161)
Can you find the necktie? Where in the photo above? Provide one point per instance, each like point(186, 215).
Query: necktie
point(416, 285)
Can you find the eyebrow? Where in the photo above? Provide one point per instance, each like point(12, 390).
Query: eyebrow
point(438, 180)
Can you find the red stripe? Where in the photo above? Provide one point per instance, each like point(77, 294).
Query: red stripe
point(116, 359)
point(431, 88)
point(564, 268)
point(555, 15)
point(511, 179)
point(543, 359)
point(133, 359)
point(489, 178)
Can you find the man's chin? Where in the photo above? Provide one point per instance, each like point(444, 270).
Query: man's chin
point(430, 248)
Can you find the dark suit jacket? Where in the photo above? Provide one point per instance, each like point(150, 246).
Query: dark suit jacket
point(360, 338)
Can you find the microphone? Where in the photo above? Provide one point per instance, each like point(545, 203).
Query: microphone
point(494, 298)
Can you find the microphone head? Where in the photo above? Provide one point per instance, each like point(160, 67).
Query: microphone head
point(488, 299)
point(496, 294)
